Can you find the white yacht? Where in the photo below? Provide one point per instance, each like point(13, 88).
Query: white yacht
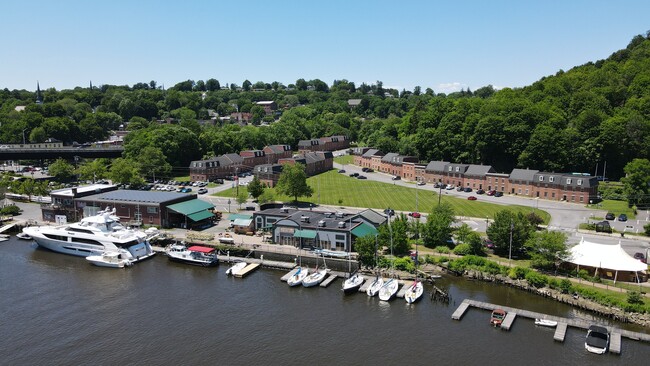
point(93, 235)
point(195, 254)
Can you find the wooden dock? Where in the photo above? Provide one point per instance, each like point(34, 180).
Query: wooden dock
point(246, 270)
point(329, 280)
point(563, 323)
point(289, 274)
point(560, 332)
point(509, 319)
point(366, 284)
point(400, 293)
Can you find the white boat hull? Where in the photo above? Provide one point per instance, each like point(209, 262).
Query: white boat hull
point(374, 288)
point(352, 284)
point(545, 323)
point(314, 279)
point(414, 292)
point(388, 290)
point(298, 277)
point(235, 268)
point(110, 261)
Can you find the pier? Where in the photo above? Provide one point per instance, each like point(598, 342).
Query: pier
point(328, 280)
point(563, 323)
point(246, 270)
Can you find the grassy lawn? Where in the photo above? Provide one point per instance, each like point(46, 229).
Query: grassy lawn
point(341, 190)
point(615, 207)
point(345, 159)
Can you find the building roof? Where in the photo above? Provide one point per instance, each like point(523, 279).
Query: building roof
point(83, 189)
point(242, 222)
point(129, 195)
point(312, 142)
point(364, 229)
point(309, 219)
point(354, 102)
point(373, 216)
point(523, 174)
point(389, 158)
point(586, 181)
point(278, 149)
point(234, 217)
point(479, 170)
point(201, 215)
point(191, 206)
point(265, 102)
point(372, 152)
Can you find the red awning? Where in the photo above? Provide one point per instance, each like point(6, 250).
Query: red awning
point(198, 248)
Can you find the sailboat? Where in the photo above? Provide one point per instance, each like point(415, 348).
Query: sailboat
point(302, 272)
point(354, 281)
point(377, 284)
point(317, 277)
point(414, 291)
point(390, 287)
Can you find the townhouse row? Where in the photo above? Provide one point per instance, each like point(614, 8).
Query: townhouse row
point(571, 187)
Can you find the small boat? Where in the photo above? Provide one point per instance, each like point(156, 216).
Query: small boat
point(109, 259)
point(435, 276)
point(597, 340)
point(23, 236)
point(226, 239)
point(546, 323)
point(414, 292)
point(235, 268)
point(375, 286)
point(298, 277)
point(195, 254)
point(352, 284)
point(4, 237)
point(388, 290)
point(315, 278)
point(497, 317)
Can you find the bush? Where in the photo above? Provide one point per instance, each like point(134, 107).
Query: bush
point(11, 210)
point(634, 297)
point(646, 228)
point(462, 249)
point(536, 279)
point(404, 264)
point(565, 286)
point(518, 272)
point(443, 250)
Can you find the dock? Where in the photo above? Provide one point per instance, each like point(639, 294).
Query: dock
point(329, 280)
point(563, 323)
point(7, 227)
point(246, 270)
point(365, 285)
point(402, 290)
point(509, 319)
point(560, 332)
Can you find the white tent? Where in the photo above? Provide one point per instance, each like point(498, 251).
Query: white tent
point(606, 256)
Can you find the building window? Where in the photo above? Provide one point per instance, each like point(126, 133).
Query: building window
point(551, 179)
point(526, 191)
point(541, 178)
point(579, 182)
point(152, 210)
point(450, 168)
point(519, 190)
point(568, 181)
point(457, 168)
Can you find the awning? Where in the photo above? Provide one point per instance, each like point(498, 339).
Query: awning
point(307, 234)
point(364, 230)
point(198, 248)
point(190, 207)
point(233, 216)
point(198, 216)
point(242, 222)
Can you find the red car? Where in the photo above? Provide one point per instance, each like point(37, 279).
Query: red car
point(472, 198)
point(491, 192)
point(416, 215)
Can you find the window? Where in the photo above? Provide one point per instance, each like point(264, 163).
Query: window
point(526, 191)
point(541, 178)
point(579, 182)
point(340, 237)
point(457, 168)
point(551, 179)
point(450, 168)
point(519, 190)
point(568, 181)
point(152, 210)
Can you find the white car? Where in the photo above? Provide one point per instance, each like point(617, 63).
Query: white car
point(450, 188)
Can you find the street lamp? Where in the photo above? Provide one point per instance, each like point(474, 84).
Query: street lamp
point(512, 226)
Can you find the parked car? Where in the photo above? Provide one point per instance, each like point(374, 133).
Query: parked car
point(459, 189)
point(364, 169)
point(342, 171)
point(472, 198)
point(491, 192)
point(396, 177)
point(488, 243)
point(449, 187)
point(610, 216)
point(353, 175)
point(186, 190)
point(622, 217)
point(640, 257)
point(498, 194)
point(467, 189)
point(362, 177)
point(415, 215)
point(218, 181)
point(421, 183)
point(202, 191)
point(370, 170)
point(480, 191)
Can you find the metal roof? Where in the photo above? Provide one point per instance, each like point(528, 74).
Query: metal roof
point(479, 170)
point(202, 215)
point(129, 195)
point(364, 230)
point(436, 166)
point(523, 174)
point(190, 207)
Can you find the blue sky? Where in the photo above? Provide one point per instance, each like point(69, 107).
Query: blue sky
point(444, 45)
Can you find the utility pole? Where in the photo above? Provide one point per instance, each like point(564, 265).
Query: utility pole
point(512, 226)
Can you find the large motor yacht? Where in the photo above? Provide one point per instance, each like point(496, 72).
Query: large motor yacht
point(93, 235)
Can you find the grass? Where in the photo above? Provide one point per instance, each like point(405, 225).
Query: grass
point(344, 160)
point(336, 189)
point(615, 207)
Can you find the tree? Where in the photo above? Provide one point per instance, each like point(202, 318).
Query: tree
point(636, 183)
point(547, 249)
point(212, 85)
point(398, 231)
point(265, 197)
point(246, 85)
point(124, 171)
point(293, 182)
point(365, 247)
point(437, 230)
point(61, 170)
point(506, 225)
point(93, 169)
point(242, 198)
point(255, 187)
point(151, 161)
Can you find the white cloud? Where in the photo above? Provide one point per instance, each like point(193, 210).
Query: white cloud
point(450, 87)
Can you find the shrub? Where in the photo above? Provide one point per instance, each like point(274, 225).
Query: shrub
point(583, 274)
point(646, 228)
point(462, 249)
point(634, 297)
point(536, 279)
point(553, 283)
point(565, 286)
point(404, 264)
point(11, 210)
point(443, 250)
point(518, 272)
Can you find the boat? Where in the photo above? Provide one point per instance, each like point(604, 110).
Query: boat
point(4, 237)
point(414, 291)
point(297, 278)
point(388, 290)
point(375, 286)
point(435, 276)
point(23, 236)
point(226, 239)
point(315, 278)
point(597, 340)
point(331, 253)
point(109, 259)
point(545, 322)
point(195, 254)
point(93, 235)
point(232, 270)
point(497, 317)
point(353, 283)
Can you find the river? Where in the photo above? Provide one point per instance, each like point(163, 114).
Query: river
point(60, 310)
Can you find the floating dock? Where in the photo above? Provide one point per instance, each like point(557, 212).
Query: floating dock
point(509, 319)
point(246, 270)
point(402, 291)
point(365, 285)
point(563, 323)
point(7, 227)
point(328, 280)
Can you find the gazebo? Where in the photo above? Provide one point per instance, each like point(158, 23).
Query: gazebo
point(605, 257)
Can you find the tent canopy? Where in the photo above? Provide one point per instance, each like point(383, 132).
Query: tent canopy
point(604, 256)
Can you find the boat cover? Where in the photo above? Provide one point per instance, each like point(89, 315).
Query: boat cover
point(198, 248)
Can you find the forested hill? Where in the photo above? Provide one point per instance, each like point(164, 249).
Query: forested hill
point(569, 122)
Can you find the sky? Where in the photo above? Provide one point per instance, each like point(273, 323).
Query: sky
point(443, 45)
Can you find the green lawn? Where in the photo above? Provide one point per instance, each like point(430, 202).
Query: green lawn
point(345, 159)
point(331, 187)
point(615, 207)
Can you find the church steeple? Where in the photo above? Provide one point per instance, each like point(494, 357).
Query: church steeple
point(91, 85)
point(39, 97)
